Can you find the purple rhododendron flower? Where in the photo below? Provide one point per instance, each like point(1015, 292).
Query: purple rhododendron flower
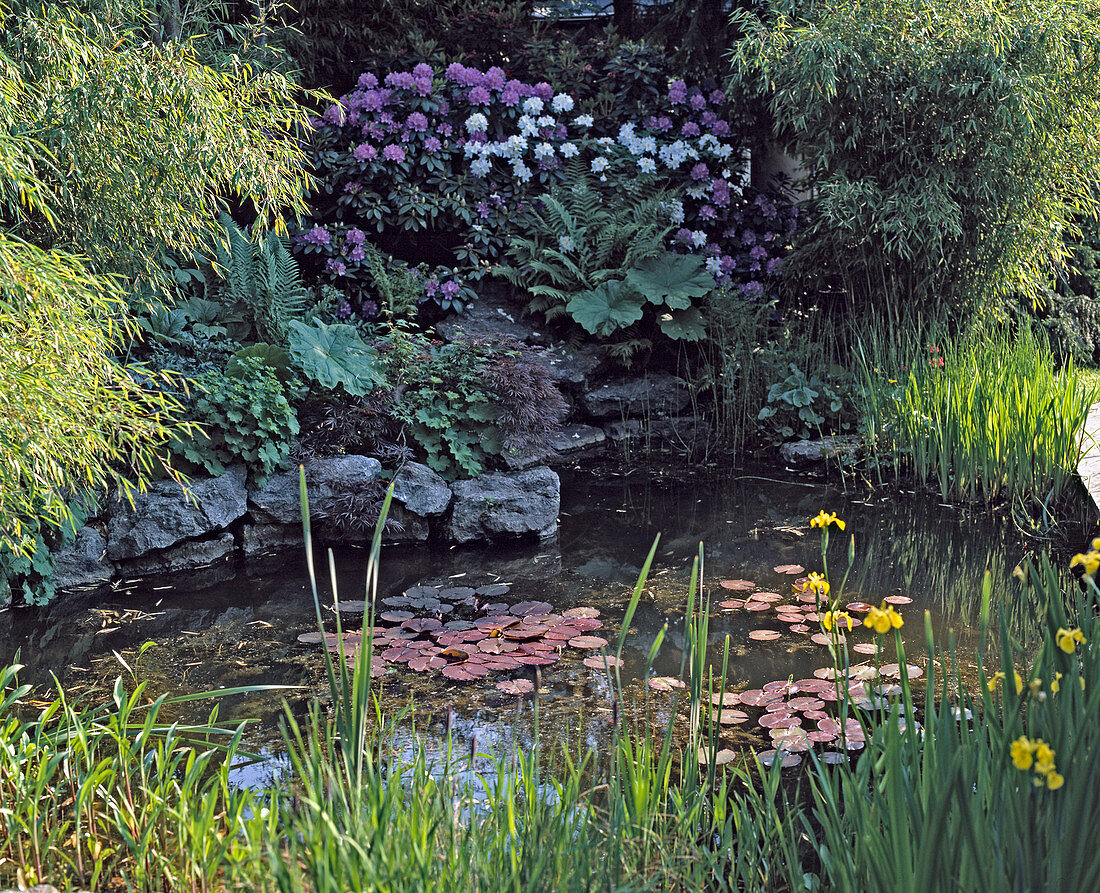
point(727, 264)
point(431, 288)
point(758, 252)
point(335, 114)
point(717, 97)
point(444, 107)
point(510, 97)
point(483, 210)
point(479, 96)
point(417, 121)
point(393, 153)
point(354, 187)
point(752, 289)
point(450, 289)
point(543, 91)
point(720, 128)
point(690, 128)
point(367, 81)
point(698, 101)
point(355, 236)
point(318, 236)
point(369, 310)
point(494, 78)
point(432, 145)
point(445, 129)
point(400, 80)
point(423, 86)
point(773, 265)
point(374, 130)
point(709, 118)
point(454, 71)
point(707, 212)
point(683, 235)
point(664, 124)
point(677, 92)
point(357, 254)
point(335, 266)
point(748, 237)
point(699, 172)
point(364, 152)
point(423, 70)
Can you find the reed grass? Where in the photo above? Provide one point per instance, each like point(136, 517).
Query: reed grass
point(982, 416)
point(111, 797)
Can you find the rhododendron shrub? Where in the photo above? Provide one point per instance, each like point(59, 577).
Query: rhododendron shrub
point(447, 166)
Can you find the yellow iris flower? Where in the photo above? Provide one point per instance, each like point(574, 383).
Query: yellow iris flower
point(1069, 639)
point(883, 619)
point(1090, 561)
point(1021, 752)
point(815, 582)
point(1034, 753)
point(836, 618)
point(823, 520)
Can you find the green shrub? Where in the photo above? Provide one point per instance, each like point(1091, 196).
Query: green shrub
point(244, 417)
point(948, 144)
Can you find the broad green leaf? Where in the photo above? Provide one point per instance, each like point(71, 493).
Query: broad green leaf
point(607, 307)
point(335, 355)
point(671, 279)
point(683, 325)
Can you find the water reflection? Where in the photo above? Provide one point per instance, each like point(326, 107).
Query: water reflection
point(242, 630)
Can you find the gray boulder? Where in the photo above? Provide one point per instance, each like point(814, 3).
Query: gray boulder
point(328, 482)
point(167, 514)
point(184, 557)
point(505, 504)
point(421, 490)
point(578, 439)
point(660, 394)
point(265, 539)
point(808, 452)
point(83, 563)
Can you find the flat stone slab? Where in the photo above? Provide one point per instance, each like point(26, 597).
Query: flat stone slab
point(578, 438)
point(1088, 468)
point(500, 505)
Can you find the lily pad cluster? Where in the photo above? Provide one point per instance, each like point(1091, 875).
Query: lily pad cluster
point(465, 633)
point(799, 715)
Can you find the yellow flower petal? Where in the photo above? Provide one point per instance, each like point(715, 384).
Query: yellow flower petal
point(1055, 781)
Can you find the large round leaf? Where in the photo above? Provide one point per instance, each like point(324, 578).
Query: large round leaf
point(671, 279)
point(683, 325)
point(610, 306)
point(335, 355)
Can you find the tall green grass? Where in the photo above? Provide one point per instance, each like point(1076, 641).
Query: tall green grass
point(97, 797)
point(985, 415)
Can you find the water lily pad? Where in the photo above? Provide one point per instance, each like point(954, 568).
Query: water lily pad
point(793, 569)
point(494, 608)
point(526, 631)
point(725, 699)
point(898, 600)
point(420, 664)
point(737, 585)
point(351, 606)
point(666, 683)
point(764, 635)
point(721, 758)
point(731, 604)
point(536, 660)
point(586, 624)
point(422, 591)
point(531, 608)
point(457, 673)
point(493, 590)
point(823, 639)
point(792, 740)
point(314, 638)
point(497, 622)
point(581, 612)
point(756, 697)
point(858, 607)
point(452, 593)
point(820, 737)
point(793, 619)
point(786, 759)
point(422, 624)
point(800, 628)
point(396, 601)
point(893, 671)
point(767, 597)
point(516, 686)
point(832, 758)
point(757, 606)
point(396, 616)
point(458, 625)
point(587, 642)
point(602, 662)
point(865, 648)
point(729, 717)
point(805, 703)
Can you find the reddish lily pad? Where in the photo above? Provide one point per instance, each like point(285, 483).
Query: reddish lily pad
point(793, 569)
point(764, 635)
point(586, 624)
point(422, 624)
point(726, 699)
point(757, 606)
point(531, 608)
point(587, 642)
point(516, 686)
point(898, 600)
point(493, 590)
point(858, 607)
point(800, 628)
point(737, 585)
point(767, 597)
point(535, 660)
point(729, 717)
point(893, 671)
point(721, 758)
point(731, 604)
point(865, 648)
point(786, 759)
point(457, 673)
point(602, 662)
point(396, 616)
point(666, 683)
point(582, 612)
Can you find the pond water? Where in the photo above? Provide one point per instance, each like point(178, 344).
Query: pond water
point(240, 626)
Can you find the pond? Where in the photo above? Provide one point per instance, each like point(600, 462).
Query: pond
point(241, 626)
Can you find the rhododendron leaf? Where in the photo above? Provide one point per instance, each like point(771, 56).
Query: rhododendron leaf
point(672, 279)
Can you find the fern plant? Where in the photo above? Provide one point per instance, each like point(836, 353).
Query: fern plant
point(261, 274)
point(596, 257)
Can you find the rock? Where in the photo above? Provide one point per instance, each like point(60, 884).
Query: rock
point(327, 481)
point(491, 317)
point(83, 563)
point(184, 557)
point(404, 526)
point(578, 439)
point(421, 490)
point(5, 593)
point(571, 369)
point(678, 431)
point(165, 514)
point(265, 539)
point(505, 504)
point(807, 452)
point(520, 459)
point(660, 394)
